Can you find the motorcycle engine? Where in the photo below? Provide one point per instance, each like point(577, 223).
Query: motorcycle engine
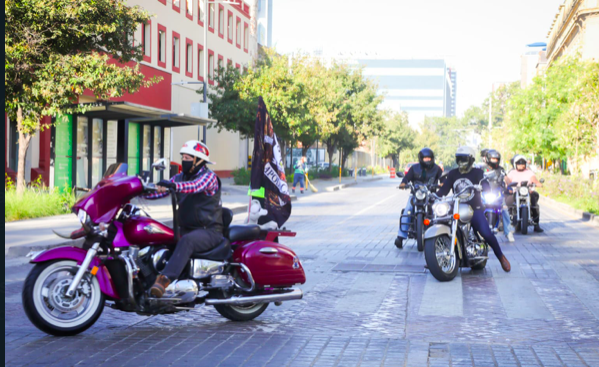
point(151, 261)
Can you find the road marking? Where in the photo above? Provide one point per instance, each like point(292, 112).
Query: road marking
point(520, 300)
point(368, 208)
point(442, 298)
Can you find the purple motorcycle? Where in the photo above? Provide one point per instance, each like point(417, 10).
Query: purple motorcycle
point(124, 251)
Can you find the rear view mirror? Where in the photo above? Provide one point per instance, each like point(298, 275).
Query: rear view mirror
point(159, 165)
point(542, 180)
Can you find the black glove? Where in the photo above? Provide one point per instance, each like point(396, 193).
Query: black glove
point(166, 183)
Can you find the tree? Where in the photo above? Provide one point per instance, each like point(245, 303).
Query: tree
point(396, 137)
point(57, 49)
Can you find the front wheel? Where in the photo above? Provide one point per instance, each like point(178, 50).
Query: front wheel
point(524, 221)
point(47, 305)
point(441, 263)
point(420, 232)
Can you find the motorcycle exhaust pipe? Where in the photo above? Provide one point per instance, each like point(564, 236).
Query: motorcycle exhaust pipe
point(266, 298)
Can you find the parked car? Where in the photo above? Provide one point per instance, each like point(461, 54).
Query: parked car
point(323, 164)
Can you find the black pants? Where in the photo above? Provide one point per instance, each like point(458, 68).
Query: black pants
point(198, 240)
point(479, 223)
point(534, 205)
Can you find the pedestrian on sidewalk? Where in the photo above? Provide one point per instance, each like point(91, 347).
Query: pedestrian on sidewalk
point(299, 175)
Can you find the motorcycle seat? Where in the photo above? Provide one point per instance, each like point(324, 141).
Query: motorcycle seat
point(220, 253)
point(243, 233)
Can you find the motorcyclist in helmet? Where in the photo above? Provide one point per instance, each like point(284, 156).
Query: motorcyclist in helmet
point(519, 174)
point(198, 192)
point(425, 172)
point(496, 176)
point(466, 175)
point(483, 158)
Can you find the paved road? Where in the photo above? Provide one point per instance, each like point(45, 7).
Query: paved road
point(365, 303)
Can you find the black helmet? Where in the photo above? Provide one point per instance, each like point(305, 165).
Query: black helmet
point(492, 153)
point(426, 152)
point(483, 154)
point(464, 157)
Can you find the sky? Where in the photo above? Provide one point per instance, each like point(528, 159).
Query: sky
point(482, 39)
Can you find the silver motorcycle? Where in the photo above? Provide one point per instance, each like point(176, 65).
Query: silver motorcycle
point(451, 225)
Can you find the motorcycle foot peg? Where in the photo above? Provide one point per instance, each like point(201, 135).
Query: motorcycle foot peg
point(278, 303)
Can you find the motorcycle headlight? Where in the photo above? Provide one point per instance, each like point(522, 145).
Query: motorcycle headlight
point(420, 195)
point(490, 197)
point(441, 209)
point(523, 191)
point(82, 216)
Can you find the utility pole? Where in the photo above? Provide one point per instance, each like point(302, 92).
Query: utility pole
point(490, 118)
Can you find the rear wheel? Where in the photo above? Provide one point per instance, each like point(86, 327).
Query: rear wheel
point(49, 308)
point(241, 312)
point(420, 232)
point(524, 221)
point(442, 265)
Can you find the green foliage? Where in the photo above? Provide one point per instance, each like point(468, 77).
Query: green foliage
point(306, 101)
point(242, 176)
point(575, 191)
point(36, 201)
point(396, 137)
point(557, 116)
point(57, 49)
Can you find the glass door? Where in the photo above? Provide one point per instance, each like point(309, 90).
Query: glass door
point(82, 159)
point(97, 151)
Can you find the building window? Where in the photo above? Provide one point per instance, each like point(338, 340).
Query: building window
point(146, 41)
point(238, 29)
point(210, 67)
point(189, 9)
point(211, 17)
point(230, 27)
point(177, 5)
point(189, 58)
point(245, 37)
point(161, 46)
point(201, 12)
point(220, 64)
point(176, 52)
point(221, 21)
point(200, 63)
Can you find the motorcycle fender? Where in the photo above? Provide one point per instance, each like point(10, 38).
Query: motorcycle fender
point(437, 230)
point(78, 254)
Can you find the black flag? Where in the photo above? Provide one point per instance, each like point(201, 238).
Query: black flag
point(268, 174)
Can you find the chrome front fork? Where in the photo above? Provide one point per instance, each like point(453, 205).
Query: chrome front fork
point(454, 229)
point(517, 206)
point(91, 253)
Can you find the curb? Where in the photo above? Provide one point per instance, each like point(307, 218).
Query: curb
point(342, 186)
point(584, 216)
point(23, 250)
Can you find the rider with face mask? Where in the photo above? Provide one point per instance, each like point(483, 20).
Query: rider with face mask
point(520, 174)
point(200, 211)
point(496, 176)
point(466, 175)
point(483, 158)
point(425, 172)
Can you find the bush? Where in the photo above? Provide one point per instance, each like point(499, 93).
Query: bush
point(37, 201)
point(242, 176)
point(578, 192)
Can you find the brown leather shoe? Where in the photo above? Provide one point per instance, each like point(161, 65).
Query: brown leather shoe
point(159, 286)
point(505, 264)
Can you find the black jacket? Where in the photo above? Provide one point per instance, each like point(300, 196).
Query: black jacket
point(200, 210)
point(418, 175)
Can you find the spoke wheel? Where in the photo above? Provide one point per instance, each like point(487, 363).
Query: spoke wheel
point(50, 309)
point(441, 263)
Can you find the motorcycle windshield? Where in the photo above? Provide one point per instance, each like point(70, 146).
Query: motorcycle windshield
point(105, 200)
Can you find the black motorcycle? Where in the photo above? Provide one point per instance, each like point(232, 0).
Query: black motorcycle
point(421, 202)
point(520, 210)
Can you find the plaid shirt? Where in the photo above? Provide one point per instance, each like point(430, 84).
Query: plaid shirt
point(204, 181)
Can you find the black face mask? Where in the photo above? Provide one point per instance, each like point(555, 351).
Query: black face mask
point(186, 166)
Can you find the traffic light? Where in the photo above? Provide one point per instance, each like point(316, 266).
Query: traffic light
point(249, 161)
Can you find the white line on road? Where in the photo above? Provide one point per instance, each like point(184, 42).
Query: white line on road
point(368, 208)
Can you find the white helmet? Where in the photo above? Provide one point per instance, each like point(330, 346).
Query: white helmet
point(196, 149)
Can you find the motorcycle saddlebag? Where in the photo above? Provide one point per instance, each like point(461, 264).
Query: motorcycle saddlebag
point(272, 265)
